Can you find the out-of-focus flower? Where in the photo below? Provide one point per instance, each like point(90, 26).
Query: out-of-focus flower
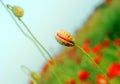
point(114, 70)
point(101, 79)
point(35, 75)
point(72, 52)
point(108, 1)
point(87, 41)
point(64, 38)
point(71, 81)
point(88, 82)
point(83, 75)
point(106, 43)
point(45, 68)
point(98, 59)
point(86, 45)
point(118, 53)
point(116, 42)
point(35, 78)
point(97, 48)
point(49, 64)
point(18, 11)
point(78, 60)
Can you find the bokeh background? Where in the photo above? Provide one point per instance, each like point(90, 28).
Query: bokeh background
point(44, 18)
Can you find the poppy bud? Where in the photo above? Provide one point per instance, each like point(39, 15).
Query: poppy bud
point(35, 75)
point(18, 11)
point(64, 38)
point(35, 78)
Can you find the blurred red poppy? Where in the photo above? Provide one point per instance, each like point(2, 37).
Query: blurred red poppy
point(97, 48)
point(108, 1)
point(114, 70)
point(101, 79)
point(116, 42)
point(83, 75)
point(106, 43)
point(98, 59)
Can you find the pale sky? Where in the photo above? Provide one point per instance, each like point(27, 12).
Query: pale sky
point(44, 18)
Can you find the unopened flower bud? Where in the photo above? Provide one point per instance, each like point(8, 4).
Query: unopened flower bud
point(18, 11)
point(35, 77)
point(64, 38)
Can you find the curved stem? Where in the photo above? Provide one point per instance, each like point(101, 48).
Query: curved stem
point(56, 76)
point(26, 70)
point(91, 60)
point(9, 6)
point(42, 48)
point(35, 38)
point(22, 29)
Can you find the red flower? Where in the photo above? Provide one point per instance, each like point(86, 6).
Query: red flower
point(83, 75)
point(101, 79)
point(78, 60)
point(98, 59)
point(97, 48)
point(86, 47)
point(116, 42)
point(88, 83)
point(118, 53)
point(45, 68)
point(67, 82)
point(72, 52)
point(50, 62)
point(108, 1)
point(114, 70)
point(87, 41)
point(72, 81)
point(106, 43)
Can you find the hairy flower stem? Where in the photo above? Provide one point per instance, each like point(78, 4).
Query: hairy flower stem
point(34, 40)
point(21, 28)
point(92, 61)
point(37, 41)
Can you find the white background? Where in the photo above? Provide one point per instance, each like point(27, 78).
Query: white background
point(44, 18)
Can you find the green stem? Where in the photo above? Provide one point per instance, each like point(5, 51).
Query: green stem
point(39, 44)
point(41, 47)
point(21, 28)
point(56, 76)
point(35, 38)
point(91, 60)
point(29, 37)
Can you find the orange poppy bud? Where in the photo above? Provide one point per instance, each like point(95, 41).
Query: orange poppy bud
point(64, 38)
